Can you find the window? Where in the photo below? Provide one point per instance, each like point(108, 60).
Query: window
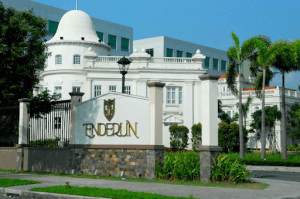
point(206, 63)
point(46, 88)
point(57, 90)
point(228, 89)
point(215, 64)
point(124, 44)
point(112, 41)
point(169, 52)
point(223, 66)
point(112, 88)
point(237, 68)
point(76, 89)
point(57, 122)
point(97, 89)
point(256, 108)
point(229, 113)
point(100, 35)
point(76, 59)
point(150, 52)
point(223, 89)
point(52, 26)
point(189, 54)
point(179, 53)
point(171, 94)
point(58, 59)
point(180, 95)
point(127, 89)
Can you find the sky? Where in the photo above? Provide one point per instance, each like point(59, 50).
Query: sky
point(205, 22)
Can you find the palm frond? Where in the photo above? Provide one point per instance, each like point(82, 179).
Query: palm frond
point(232, 54)
point(237, 45)
point(230, 77)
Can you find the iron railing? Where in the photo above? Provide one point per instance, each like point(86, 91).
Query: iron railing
point(51, 129)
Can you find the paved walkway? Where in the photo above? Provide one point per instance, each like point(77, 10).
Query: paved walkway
point(278, 189)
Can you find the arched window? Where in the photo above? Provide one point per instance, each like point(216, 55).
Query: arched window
point(58, 59)
point(76, 59)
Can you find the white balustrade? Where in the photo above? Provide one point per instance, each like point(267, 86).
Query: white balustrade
point(170, 60)
point(109, 58)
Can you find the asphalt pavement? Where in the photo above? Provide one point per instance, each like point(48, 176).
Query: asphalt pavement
point(284, 183)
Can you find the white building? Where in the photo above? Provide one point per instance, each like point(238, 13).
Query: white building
point(119, 36)
point(273, 96)
point(216, 61)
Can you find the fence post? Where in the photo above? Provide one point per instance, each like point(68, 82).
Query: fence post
point(24, 117)
point(209, 111)
point(76, 98)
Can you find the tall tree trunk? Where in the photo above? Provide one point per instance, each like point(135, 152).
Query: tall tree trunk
point(283, 124)
point(263, 135)
point(241, 114)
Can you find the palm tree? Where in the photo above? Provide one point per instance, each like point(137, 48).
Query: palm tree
point(236, 56)
point(283, 56)
point(245, 108)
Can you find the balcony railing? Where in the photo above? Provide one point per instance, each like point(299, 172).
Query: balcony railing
point(170, 60)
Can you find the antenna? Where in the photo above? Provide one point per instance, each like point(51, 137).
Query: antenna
point(76, 4)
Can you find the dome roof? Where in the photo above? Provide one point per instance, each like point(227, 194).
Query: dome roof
point(74, 25)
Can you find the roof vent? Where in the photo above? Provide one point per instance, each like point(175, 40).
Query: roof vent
point(61, 38)
point(82, 38)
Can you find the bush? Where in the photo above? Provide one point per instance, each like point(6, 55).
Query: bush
point(196, 135)
point(180, 166)
point(179, 137)
point(228, 136)
point(293, 148)
point(45, 143)
point(226, 169)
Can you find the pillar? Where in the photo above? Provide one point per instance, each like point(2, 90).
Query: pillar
point(189, 108)
point(209, 116)
point(76, 98)
point(142, 88)
point(155, 112)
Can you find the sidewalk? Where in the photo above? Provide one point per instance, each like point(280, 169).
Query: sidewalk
point(277, 188)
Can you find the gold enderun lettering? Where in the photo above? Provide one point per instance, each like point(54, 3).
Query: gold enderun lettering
point(129, 126)
point(120, 129)
point(87, 129)
point(106, 129)
point(99, 129)
point(114, 130)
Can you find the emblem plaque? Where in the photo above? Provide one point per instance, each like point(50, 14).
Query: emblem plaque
point(109, 109)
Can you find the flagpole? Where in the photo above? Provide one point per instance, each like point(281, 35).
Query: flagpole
point(76, 4)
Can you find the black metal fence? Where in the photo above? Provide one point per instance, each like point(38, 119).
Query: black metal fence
point(9, 126)
point(51, 129)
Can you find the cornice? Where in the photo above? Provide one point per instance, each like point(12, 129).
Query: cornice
point(79, 42)
point(61, 71)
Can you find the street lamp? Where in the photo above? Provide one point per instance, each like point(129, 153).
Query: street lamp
point(123, 66)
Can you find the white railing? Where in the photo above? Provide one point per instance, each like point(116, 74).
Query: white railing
point(109, 58)
point(170, 60)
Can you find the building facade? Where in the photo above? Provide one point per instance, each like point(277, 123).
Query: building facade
point(119, 37)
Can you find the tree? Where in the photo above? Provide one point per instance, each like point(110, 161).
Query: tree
point(272, 114)
point(224, 117)
point(228, 137)
point(284, 58)
point(22, 53)
point(179, 137)
point(245, 109)
point(294, 120)
point(236, 56)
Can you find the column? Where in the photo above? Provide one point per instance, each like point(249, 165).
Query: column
point(90, 88)
point(134, 87)
point(197, 102)
point(155, 112)
point(24, 121)
point(142, 88)
point(189, 108)
point(209, 115)
point(76, 98)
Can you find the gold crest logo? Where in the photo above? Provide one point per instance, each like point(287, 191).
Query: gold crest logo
point(109, 109)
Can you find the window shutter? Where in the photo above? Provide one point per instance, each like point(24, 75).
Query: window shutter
point(189, 55)
point(223, 67)
point(179, 53)
point(215, 62)
point(53, 25)
point(100, 35)
point(206, 62)
point(112, 40)
point(169, 52)
point(124, 44)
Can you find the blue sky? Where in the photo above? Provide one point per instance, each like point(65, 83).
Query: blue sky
point(205, 22)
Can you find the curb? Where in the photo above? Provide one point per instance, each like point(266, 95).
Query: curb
point(42, 195)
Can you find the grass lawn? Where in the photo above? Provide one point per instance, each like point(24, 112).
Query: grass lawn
point(176, 182)
point(4, 182)
point(103, 192)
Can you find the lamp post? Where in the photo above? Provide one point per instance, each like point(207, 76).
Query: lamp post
point(123, 66)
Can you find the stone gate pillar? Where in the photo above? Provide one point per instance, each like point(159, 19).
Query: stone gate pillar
point(209, 120)
point(76, 98)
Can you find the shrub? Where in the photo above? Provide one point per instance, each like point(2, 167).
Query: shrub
point(228, 136)
point(45, 143)
point(180, 166)
point(179, 137)
point(293, 148)
point(196, 135)
point(226, 169)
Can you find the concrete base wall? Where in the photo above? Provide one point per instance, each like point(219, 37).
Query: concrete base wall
point(108, 160)
point(8, 158)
